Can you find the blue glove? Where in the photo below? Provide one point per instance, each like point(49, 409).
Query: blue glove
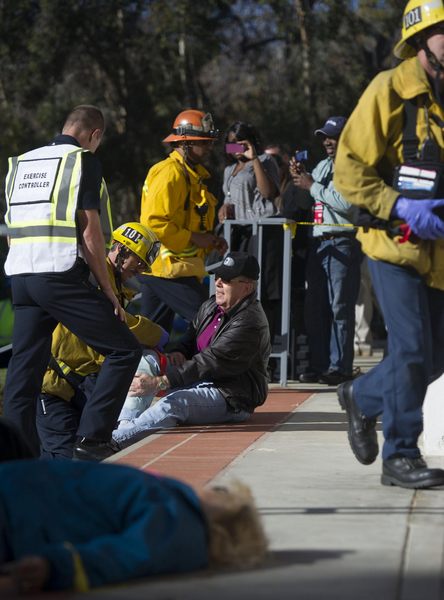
point(164, 338)
point(420, 216)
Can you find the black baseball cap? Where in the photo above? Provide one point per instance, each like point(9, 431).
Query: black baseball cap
point(332, 127)
point(236, 264)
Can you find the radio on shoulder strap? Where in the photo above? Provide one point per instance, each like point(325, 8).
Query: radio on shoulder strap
point(421, 175)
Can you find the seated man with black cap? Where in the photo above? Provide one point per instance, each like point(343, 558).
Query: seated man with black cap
point(217, 371)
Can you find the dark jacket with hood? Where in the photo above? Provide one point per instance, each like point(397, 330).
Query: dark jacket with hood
point(236, 359)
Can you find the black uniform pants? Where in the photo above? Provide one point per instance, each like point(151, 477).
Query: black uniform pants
point(58, 420)
point(41, 301)
point(162, 298)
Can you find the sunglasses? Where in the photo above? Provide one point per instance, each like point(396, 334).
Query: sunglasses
point(225, 282)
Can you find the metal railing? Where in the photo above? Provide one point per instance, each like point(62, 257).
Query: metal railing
point(281, 345)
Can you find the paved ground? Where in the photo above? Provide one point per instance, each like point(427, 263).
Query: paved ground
point(334, 531)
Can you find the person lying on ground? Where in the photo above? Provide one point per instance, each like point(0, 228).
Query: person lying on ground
point(78, 525)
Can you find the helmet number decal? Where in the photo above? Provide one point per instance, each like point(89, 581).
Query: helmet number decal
point(132, 234)
point(413, 17)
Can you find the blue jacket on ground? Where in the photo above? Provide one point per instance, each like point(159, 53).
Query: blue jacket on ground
point(99, 523)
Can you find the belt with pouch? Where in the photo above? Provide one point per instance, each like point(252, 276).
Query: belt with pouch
point(335, 235)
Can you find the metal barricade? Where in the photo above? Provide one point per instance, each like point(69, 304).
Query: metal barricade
point(281, 345)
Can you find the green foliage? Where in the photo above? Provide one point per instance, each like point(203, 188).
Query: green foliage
point(145, 60)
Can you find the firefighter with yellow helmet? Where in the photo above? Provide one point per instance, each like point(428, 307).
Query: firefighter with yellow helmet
point(390, 164)
point(74, 366)
point(179, 208)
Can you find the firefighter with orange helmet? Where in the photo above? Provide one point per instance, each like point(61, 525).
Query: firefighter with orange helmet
point(390, 164)
point(179, 208)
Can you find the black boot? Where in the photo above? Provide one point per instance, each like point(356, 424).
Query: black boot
point(94, 450)
point(410, 473)
point(361, 429)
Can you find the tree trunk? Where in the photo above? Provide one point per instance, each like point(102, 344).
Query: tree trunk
point(305, 75)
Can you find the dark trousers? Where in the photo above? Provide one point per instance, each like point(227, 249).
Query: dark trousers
point(396, 387)
point(333, 276)
point(12, 444)
point(40, 302)
point(58, 420)
point(162, 298)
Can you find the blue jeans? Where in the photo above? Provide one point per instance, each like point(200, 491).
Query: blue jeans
point(396, 387)
point(135, 405)
point(332, 274)
point(201, 404)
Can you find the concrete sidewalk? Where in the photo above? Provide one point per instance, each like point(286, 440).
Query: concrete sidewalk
point(335, 532)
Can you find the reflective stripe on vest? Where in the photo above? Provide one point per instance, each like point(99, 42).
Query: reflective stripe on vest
point(187, 253)
point(106, 218)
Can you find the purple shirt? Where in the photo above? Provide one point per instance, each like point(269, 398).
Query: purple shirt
point(204, 339)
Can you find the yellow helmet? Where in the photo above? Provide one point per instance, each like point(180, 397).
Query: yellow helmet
point(140, 240)
point(418, 15)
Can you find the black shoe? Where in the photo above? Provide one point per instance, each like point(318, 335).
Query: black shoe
point(334, 377)
point(410, 473)
point(309, 377)
point(361, 429)
point(94, 450)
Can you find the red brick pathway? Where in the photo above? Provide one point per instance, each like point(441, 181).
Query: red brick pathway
point(196, 454)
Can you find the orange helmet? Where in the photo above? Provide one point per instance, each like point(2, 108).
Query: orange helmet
point(192, 125)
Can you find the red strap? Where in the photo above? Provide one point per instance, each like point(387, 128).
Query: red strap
point(163, 362)
point(406, 232)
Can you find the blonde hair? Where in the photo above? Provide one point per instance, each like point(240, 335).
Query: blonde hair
point(236, 533)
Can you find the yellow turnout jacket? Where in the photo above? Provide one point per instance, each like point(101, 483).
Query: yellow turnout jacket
point(172, 196)
point(371, 146)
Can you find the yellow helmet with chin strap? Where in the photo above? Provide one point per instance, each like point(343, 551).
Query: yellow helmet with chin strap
point(418, 15)
point(143, 242)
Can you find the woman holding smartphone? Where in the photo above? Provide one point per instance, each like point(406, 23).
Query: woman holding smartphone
point(251, 178)
point(251, 187)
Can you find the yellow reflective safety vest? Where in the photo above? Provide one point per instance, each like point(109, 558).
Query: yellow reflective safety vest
point(42, 188)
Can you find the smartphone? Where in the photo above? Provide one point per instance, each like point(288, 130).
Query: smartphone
point(301, 155)
point(234, 148)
